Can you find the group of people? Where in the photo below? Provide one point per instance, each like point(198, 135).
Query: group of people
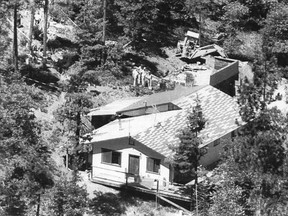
point(142, 77)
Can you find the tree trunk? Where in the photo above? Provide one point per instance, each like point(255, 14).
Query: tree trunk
point(78, 123)
point(38, 205)
point(67, 159)
point(102, 58)
point(32, 15)
point(77, 133)
point(15, 38)
point(196, 194)
point(200, 28)
point(45, 32)
point(104, 20)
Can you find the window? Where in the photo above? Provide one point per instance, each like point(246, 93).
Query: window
point(216, 142)
point(153, 165)
point(111, 157)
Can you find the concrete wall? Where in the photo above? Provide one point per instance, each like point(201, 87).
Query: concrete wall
point(224, 73)
point(118, 172)
point(210, 61)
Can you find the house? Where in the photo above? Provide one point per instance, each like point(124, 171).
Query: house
point(135, 150)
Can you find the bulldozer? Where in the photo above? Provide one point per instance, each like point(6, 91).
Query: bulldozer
point(188, 45)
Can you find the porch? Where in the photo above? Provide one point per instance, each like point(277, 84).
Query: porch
point(127, 180)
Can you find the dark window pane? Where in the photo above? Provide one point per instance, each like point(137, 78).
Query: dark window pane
point(153, 165)
point(156, 165)
point(116, 158)
point(110, 156)
point(133, 164)
point(150, 163)
point(106, 155)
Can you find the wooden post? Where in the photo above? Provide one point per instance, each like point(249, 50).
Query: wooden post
point(157, 189)
point(126, 175)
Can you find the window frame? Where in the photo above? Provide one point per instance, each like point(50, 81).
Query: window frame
point(111, 156)
point(154, 165)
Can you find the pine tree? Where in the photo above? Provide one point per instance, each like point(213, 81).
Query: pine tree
point(149, 24)
point(4, 39)
point(70, 115)
point(26, 165)
point(189, 152)
point(32, 17)
point(259, 150)
point(68, 198)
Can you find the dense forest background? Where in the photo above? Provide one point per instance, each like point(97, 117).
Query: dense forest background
point(53, 51)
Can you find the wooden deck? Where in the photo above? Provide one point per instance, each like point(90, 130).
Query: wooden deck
point(171, 192)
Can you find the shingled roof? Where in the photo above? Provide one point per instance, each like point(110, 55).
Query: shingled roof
point(130, 126)
point(114, 107)
point(161, 98)
point(219, 109)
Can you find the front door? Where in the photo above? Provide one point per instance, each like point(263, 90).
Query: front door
point(133, 164)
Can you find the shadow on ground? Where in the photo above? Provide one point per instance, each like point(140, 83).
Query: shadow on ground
point(110, 203)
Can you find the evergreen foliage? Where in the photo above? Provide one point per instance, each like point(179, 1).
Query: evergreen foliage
point(68, 198)
point(188, 153)
point(25, 157)
point(149, 24)
point(276, 35)
point(259, 152)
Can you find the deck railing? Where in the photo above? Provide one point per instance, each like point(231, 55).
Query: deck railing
point(129, 178)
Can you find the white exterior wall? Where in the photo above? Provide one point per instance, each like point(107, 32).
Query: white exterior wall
point(118, 173)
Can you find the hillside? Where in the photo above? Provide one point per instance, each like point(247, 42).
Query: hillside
point(61, 58)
